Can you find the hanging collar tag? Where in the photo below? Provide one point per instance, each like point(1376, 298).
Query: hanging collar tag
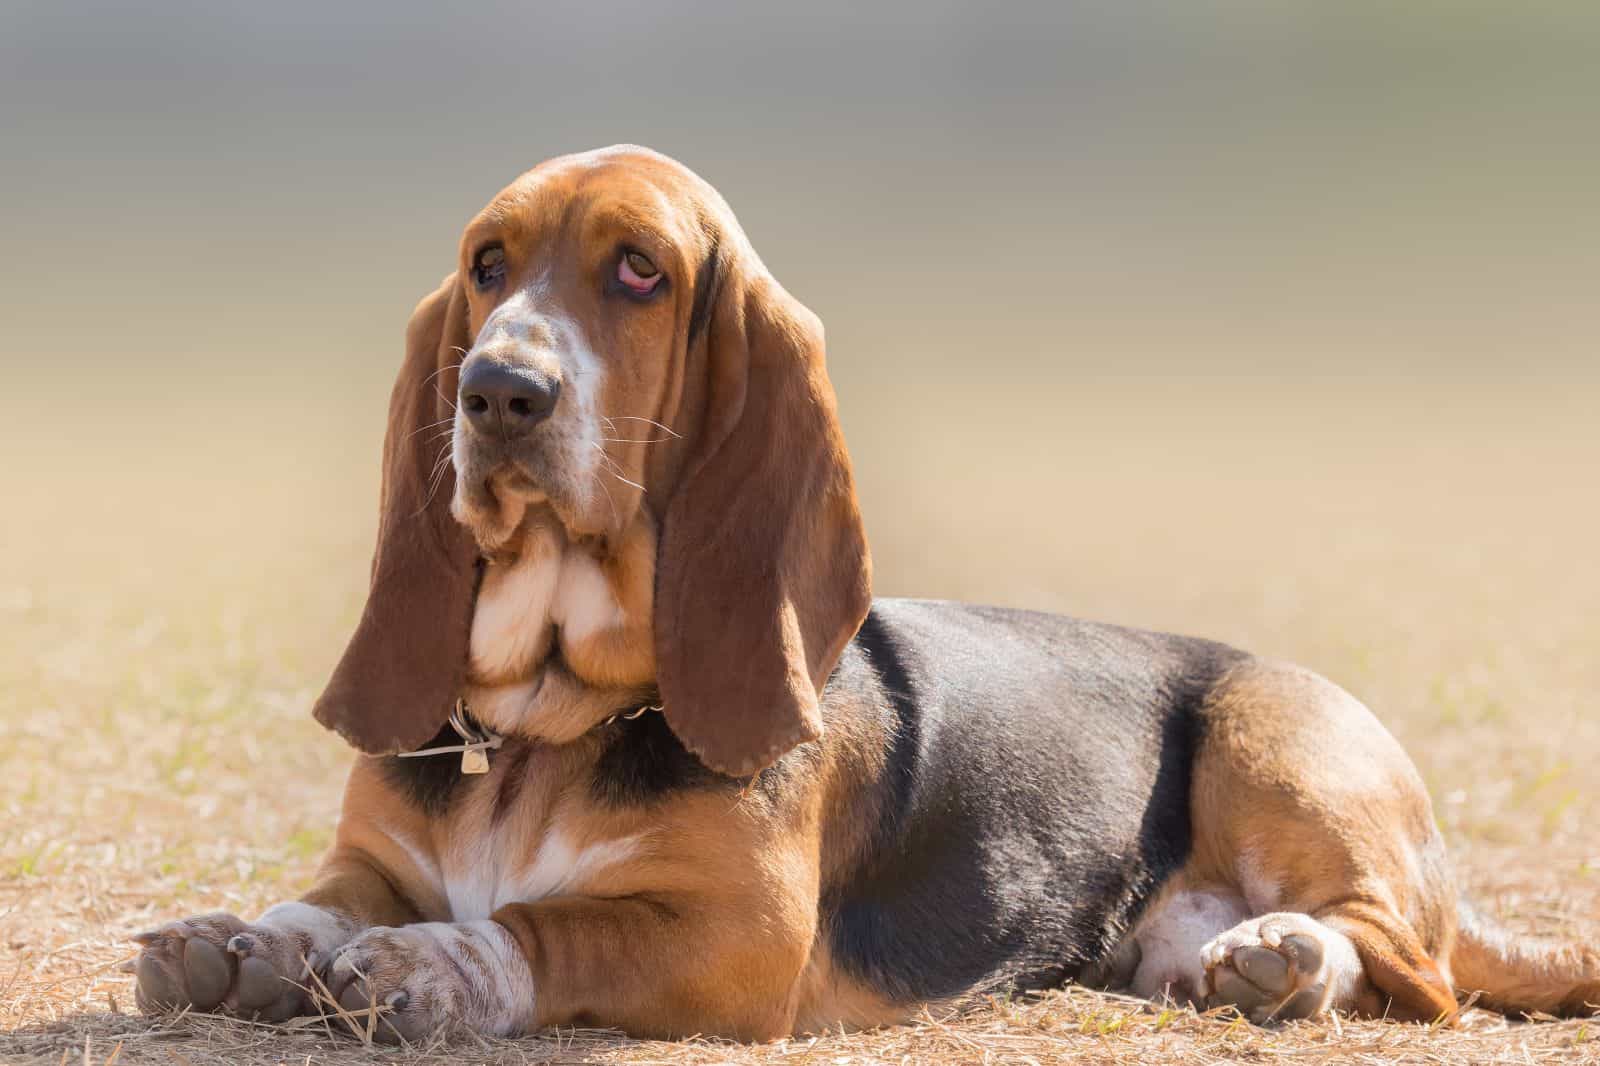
point(474, 760)
point(476, 743)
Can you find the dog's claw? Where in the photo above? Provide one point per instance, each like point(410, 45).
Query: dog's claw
point(355, 998)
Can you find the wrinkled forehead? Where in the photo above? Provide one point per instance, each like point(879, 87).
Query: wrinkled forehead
point(600, 195)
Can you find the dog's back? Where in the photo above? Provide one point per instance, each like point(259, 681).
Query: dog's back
point(1034, 795)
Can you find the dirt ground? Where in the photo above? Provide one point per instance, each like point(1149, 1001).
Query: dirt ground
point(173, 592)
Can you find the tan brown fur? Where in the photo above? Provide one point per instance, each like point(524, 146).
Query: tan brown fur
point(622, 656)
point(829, 999)
point(715, 879)
point(1524, 974)
point(733, 570)
point(407, 660)
point(715, 912)
point(1299, 777)
point(717, 942)
point(368, 875)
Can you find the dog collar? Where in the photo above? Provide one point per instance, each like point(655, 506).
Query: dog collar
point(477, 740)
point(629, 716)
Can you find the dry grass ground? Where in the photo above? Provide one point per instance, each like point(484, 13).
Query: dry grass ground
point(172, 594)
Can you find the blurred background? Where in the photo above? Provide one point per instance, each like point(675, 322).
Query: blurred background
point(1275, 322)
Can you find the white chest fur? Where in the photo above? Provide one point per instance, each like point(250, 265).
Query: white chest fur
point(520, 604)
point(485, 872)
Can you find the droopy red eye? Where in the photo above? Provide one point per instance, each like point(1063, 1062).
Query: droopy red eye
point(489, 266)
point(638, 273)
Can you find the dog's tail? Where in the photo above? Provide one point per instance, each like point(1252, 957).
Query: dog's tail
point(1523, 975)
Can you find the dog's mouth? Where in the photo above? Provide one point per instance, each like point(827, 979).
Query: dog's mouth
point(512, 482)
point(501, 487)
point(497, 505)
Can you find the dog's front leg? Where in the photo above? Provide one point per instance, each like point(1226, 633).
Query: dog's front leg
point(435, 977)
point(649, 966)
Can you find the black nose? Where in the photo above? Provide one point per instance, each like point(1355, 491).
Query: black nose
point(507, 400)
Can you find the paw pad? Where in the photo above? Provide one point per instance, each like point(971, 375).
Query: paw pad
point(1268, 969)
point(214, 963)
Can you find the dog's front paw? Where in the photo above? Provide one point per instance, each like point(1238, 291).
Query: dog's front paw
point(422, 979)
point(217, 962)
point(1277, 967)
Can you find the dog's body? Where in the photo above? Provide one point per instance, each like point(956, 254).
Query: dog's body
point(732, 795)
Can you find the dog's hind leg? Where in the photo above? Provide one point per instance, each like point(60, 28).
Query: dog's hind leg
point(1305, 805)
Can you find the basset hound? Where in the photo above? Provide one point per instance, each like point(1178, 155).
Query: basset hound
point(639, 749)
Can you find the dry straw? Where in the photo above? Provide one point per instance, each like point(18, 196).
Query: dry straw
point(1070, 1026)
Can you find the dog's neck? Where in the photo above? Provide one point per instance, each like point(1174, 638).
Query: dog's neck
point(561, 633)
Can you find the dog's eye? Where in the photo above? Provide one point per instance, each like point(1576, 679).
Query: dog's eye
point(638, 273)
point(489, 267)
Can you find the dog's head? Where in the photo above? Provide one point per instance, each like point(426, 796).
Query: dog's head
point(611, 342)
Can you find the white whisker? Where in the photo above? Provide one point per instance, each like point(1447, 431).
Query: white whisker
point(635, 418)
point(613, 469)
point(436, 477)
point(442, 369)
point(625, 481)
point(430, 425)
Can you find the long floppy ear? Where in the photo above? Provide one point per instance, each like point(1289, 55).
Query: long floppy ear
point(405, 665)
point(762, 573)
